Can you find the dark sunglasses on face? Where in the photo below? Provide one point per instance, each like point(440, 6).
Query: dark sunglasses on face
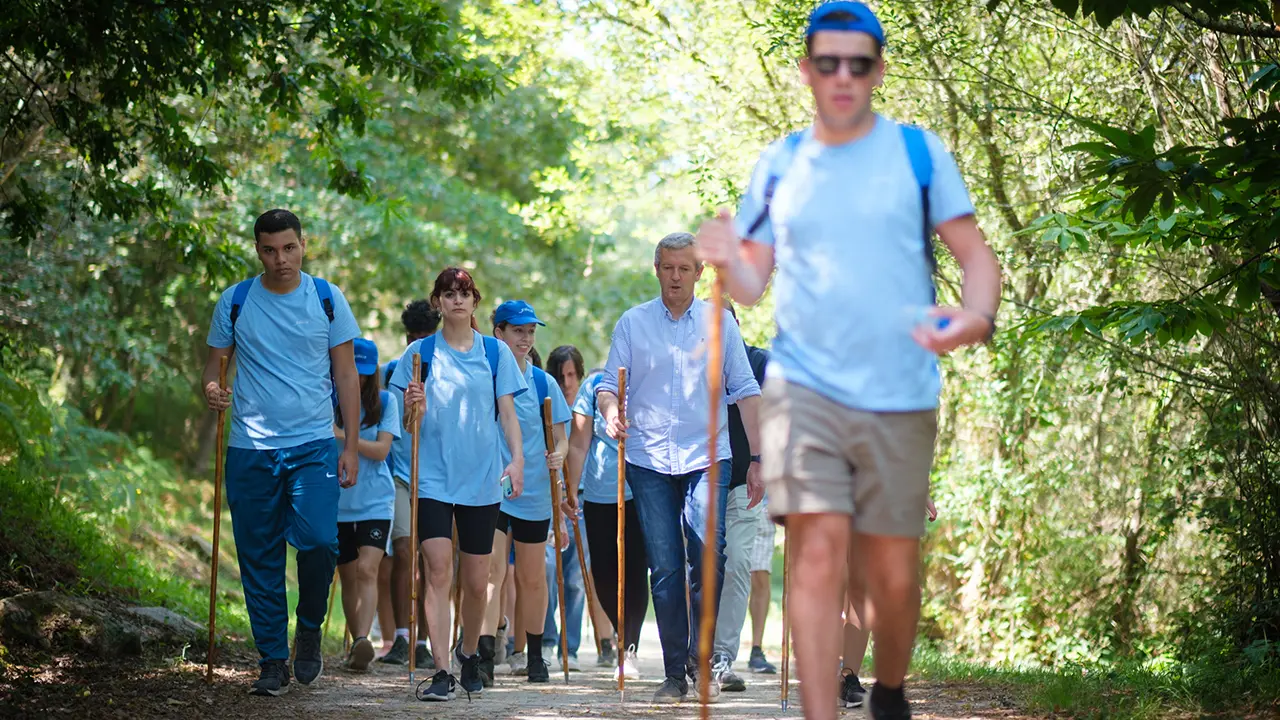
point(828, 65)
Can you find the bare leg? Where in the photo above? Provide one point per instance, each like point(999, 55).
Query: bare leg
point(401, 576)
point(438, 555)
point(857, 628)
point(819, 545)
point(761, 592)
point(360, 590)
point(531, 585)
point(518, 625)
point(497, 578)
point(474, 577)
point(893, 588)
point(386, 613)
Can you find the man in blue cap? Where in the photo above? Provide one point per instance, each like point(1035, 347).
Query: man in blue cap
point(848, 209)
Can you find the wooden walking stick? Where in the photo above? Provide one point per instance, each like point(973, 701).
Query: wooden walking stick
point(622, 532)
point(785, 690)
point(710, 542)
point(217, 522)
point(555, 521)
point(587, 581)
point(414, 440)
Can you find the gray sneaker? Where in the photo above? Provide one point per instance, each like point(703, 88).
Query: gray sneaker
point(308, 662)
point(730, 681)
point(361, 655)
point(673, 690)
point(422, 659)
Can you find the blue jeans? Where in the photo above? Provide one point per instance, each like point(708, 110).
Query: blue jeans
point(673, 513)
point(575, 597)
point(279, 496)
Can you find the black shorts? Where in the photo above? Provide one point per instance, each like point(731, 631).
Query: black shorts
point(475, 524)
point(354, 535)
point(524, 531)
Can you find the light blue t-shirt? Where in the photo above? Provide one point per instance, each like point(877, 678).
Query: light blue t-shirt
point(398, 458)
point(460, 446)
point(599, 481)
point(847, 228)
point(281, 395)
point(373, 497)
point(535, 502)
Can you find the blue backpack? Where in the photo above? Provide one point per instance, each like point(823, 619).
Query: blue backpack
point(921, 166)
point(241, 293)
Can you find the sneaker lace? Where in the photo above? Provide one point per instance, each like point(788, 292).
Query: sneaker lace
point(429, 682)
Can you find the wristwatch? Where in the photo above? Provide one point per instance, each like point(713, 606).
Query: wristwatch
point(755, 458)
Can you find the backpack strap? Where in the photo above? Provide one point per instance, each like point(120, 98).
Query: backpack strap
point(325, 294)
point(427, 351)
point(922, 167)
point(540, 384)
point(491, 354)
point(777, 168)
point(238, 296)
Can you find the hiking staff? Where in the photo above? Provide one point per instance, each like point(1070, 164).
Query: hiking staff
point(784, 691)
point(556, 519)
point(622, 526)
point(715, 386)
point(586, 579)
point(217, 521)
point(414, 440)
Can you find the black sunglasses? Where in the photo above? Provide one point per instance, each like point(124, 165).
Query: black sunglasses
point(828, 65)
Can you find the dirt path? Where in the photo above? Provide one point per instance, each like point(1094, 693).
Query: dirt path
point(72, 687)
point(385, 694)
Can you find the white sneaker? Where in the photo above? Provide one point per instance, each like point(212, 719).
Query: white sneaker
point(519, 663)
point(573, 664)
point(630, 666)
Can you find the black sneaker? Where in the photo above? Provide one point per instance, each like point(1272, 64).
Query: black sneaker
point(608, 657)
point(273, 681)
point(539, 670)
point(852, 694)
point(422, 659)
point(758, 663)
point(399, 652)
point(673, 690)
point(441, 687)
point(730, 681)
point(885, 704)
point(308, 662)
point(487, 649)
point(470, 680)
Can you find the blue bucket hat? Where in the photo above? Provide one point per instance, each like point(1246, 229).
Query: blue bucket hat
point(864, 20)
point(366, 356)
point(516, 312)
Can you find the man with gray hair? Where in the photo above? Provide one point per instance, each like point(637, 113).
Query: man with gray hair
point(663, 345)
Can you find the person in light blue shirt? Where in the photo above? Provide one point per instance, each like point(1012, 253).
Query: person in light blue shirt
point(663, 345)
point(466, 407)
point(420, 320)
point(290, 333)
point(591, 482)
point(365, 510)
point(847, 210)
point(527, 518)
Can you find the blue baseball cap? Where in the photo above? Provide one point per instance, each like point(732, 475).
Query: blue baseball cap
point(366, 356)
point(863, 20)
point(516, 312)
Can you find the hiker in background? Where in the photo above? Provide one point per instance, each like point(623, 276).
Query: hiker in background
point(466, 390)
point(365, 510)
point(290, 333)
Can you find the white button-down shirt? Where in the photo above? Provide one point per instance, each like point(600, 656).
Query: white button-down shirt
point(668, 402)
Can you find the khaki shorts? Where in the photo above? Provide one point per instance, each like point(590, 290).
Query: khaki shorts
point(823, 457)
point(400, 525)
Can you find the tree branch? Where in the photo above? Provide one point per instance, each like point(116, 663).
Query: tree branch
point(1230, 27)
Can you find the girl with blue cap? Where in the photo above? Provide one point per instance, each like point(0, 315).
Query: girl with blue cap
point(526, 519)
point(365, 509)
